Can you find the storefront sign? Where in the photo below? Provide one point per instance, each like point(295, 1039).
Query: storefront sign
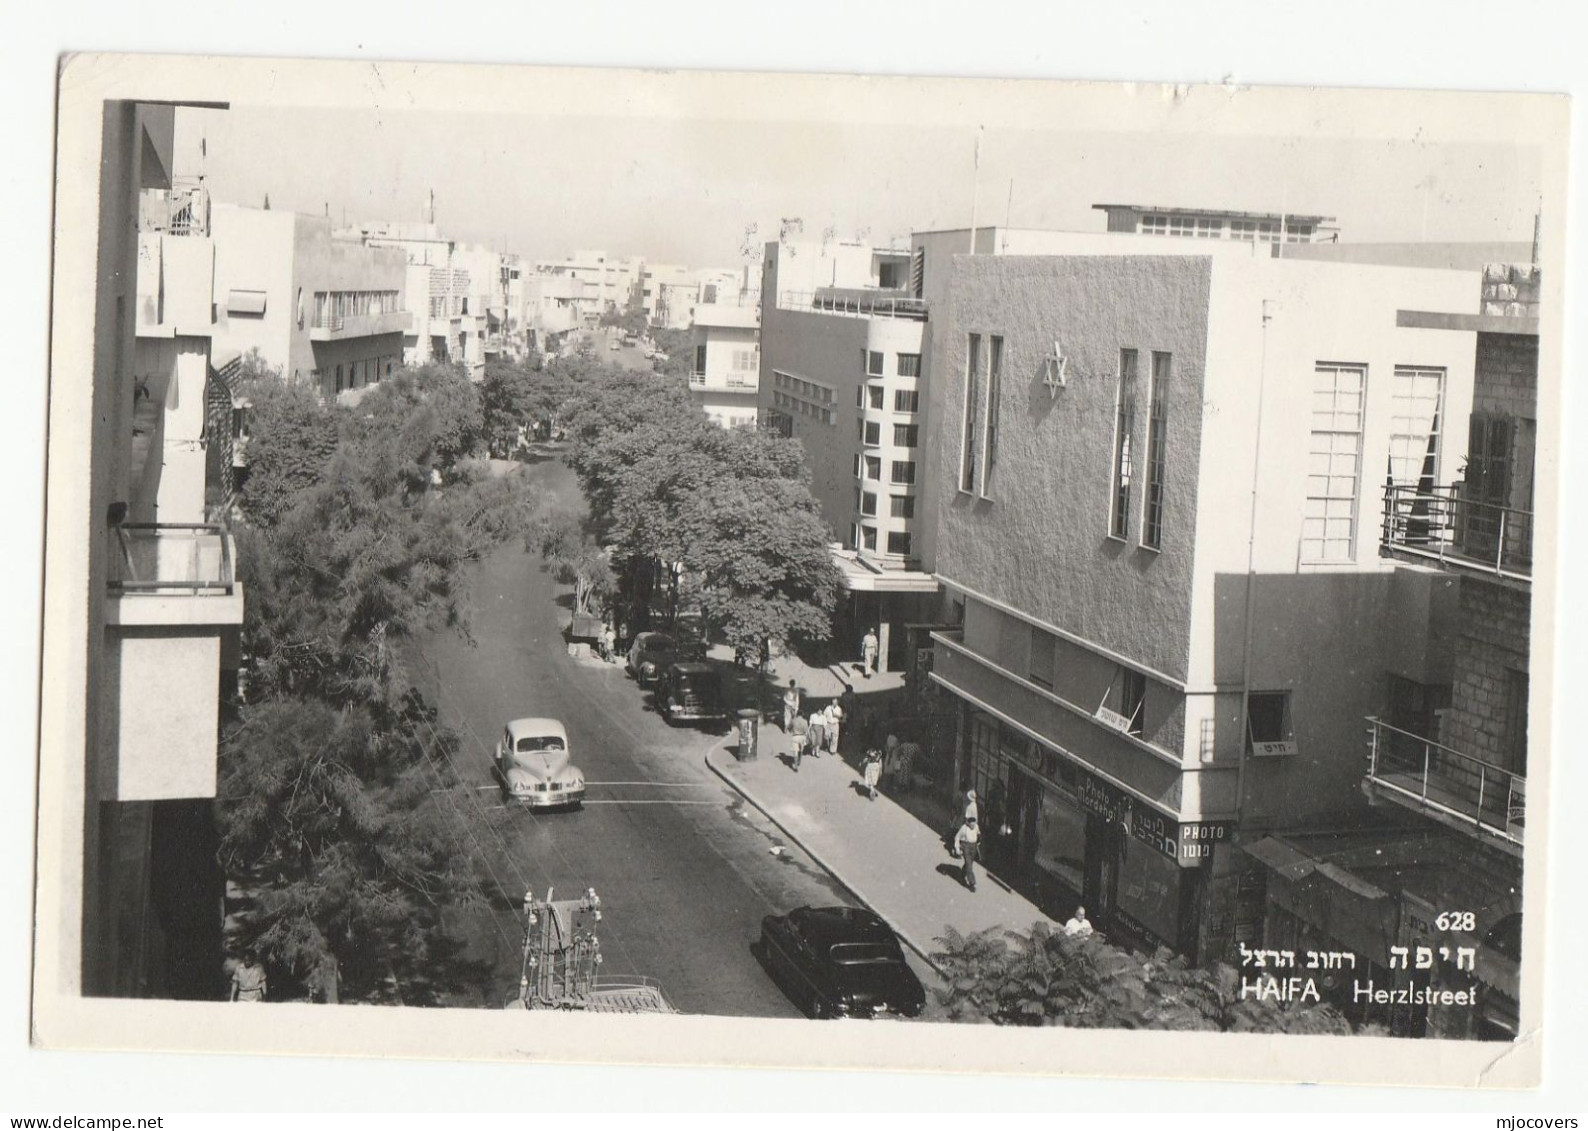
point(1188, 844)
point(1273, 749)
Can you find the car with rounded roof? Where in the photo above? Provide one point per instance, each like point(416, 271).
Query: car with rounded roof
point(837, 962)
point(534, 768)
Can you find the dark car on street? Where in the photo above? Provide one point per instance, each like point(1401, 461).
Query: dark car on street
point(650, 652)
point(690, 692)
point(840, 962)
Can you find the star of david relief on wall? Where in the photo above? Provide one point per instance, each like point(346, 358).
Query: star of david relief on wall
point(1056, 375)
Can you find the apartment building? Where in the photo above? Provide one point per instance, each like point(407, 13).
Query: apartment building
point(841, 370)
point(1158, 482)
point(611, 283)
point(552, 308)
point(319, 309)
point(1447, 760)
point(142, 599)
point(726, 377)
point(449, 288)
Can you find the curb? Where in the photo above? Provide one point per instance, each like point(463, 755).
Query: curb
point(920, 952)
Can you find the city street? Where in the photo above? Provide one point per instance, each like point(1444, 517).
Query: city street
point(684, 868)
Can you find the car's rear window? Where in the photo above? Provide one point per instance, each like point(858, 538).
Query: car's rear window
point(855, 954)
point(535, 742)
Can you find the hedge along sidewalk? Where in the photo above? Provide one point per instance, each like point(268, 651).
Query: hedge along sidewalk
point(895, 864)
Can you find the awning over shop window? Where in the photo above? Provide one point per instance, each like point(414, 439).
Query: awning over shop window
point(1343, 906)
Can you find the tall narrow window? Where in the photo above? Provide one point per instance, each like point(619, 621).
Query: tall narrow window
point(909, 365)
point(1415, 410)
point(995, 364)
point(1152, 518)
point(1124, 426)
point(1334, 464)
point(905, 435)
point(967, 462)
point(874, 363)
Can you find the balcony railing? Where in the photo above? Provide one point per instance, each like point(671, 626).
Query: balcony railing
point(1442, 523)
point(1464, 789)
point(183, 210)
point(171, 558)
point(857, 302)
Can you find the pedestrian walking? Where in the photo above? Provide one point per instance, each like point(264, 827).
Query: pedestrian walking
point(872, 771)
point(868, 652)
point(835, 717)
point(816, 735)
point(890, 759)
point(967, 846)
point(802, 730)
point(248, 979)
point(791, 705)
point(609, 643)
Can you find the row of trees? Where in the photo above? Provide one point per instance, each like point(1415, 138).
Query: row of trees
point(357, 522)
point(722, 520)
point(1045, 977)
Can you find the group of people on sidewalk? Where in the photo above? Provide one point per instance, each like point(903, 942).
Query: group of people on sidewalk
point(819, 732)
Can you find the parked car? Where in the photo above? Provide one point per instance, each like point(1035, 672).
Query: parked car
point(840, 962)
point(616, 345)
point(690, 691)
point(533, 766)
point(650, 652)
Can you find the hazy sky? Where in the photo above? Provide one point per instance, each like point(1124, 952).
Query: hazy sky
point(684, 191)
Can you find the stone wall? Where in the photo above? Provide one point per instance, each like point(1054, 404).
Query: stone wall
point(1491, 653)
point(1511, 289)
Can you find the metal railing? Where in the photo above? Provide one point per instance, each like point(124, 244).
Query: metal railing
point(857, 302)
point(183, 210)
point(1442, 523)
point(171, 558)
point(1460, 786)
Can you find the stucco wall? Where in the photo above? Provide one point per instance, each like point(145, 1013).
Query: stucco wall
point(253, 252)
point(1042, 544)
point(321, 263)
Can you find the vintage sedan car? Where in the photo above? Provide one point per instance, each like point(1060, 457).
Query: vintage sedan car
point(648, 654)
point(689, 692)
point(840, 962)
point(533, 767)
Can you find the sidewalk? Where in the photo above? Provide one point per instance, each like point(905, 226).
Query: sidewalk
point(889, 858)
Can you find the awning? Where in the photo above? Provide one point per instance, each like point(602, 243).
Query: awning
point(1288, 862)
point(1332, 900)
point(859, 576)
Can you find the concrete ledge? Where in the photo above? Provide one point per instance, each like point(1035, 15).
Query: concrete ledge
point(719, 752)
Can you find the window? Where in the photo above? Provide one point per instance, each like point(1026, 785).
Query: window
point(700, 360)
point(873, 363)
point(1515, 723)
point(905, 435)
point(868, 503)
point(1487, 483)
point(873, 467)
point(1209, 228)
point(902, 506)
point(967, 460)
point(1268, 719)
point(995, 364)
point(904, 471)
point(1182, 226)
point(906, 400)
point(1328, 525)
point(874, 394)
point(1243, 229)
point(1414, 425)
point(1124, 426)
point(1130, 697)
point(1041, 669)
point(860, 396)
point(873, 433)
point(909, 365)
point(868, 538)
point(860, 431)
point(898, 542)
point(918, 271)
point(1155, 225)
point(1152, 519)
point(857, 465)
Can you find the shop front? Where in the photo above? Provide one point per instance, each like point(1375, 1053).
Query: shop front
point(1070, 838)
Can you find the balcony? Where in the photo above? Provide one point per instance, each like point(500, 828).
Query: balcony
point(1441, 524)
point(1453, 788)
point(173, 574)
point(855, 302)
point(183, 210)
point(340, 327)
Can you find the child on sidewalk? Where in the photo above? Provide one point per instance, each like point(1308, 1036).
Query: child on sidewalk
point(872, 772)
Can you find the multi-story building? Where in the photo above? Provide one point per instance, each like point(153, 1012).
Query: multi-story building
point(611, 282)
point(142, 598)
point(1453, 752)
point(1157, 484)
point(552, 307)
point(726, 375)
point(841, 368)
point(320, 309)
point(449, 287)
point(1220, 224)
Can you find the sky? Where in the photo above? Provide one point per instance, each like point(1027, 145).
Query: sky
point(685, 190)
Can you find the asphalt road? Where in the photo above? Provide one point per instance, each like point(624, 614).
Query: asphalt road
point(684, 868)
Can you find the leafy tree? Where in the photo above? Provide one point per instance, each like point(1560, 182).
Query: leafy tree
point(575, 560)
point(292, 439)
point(1047, 978)
point(417, 422)
point(327, 816)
